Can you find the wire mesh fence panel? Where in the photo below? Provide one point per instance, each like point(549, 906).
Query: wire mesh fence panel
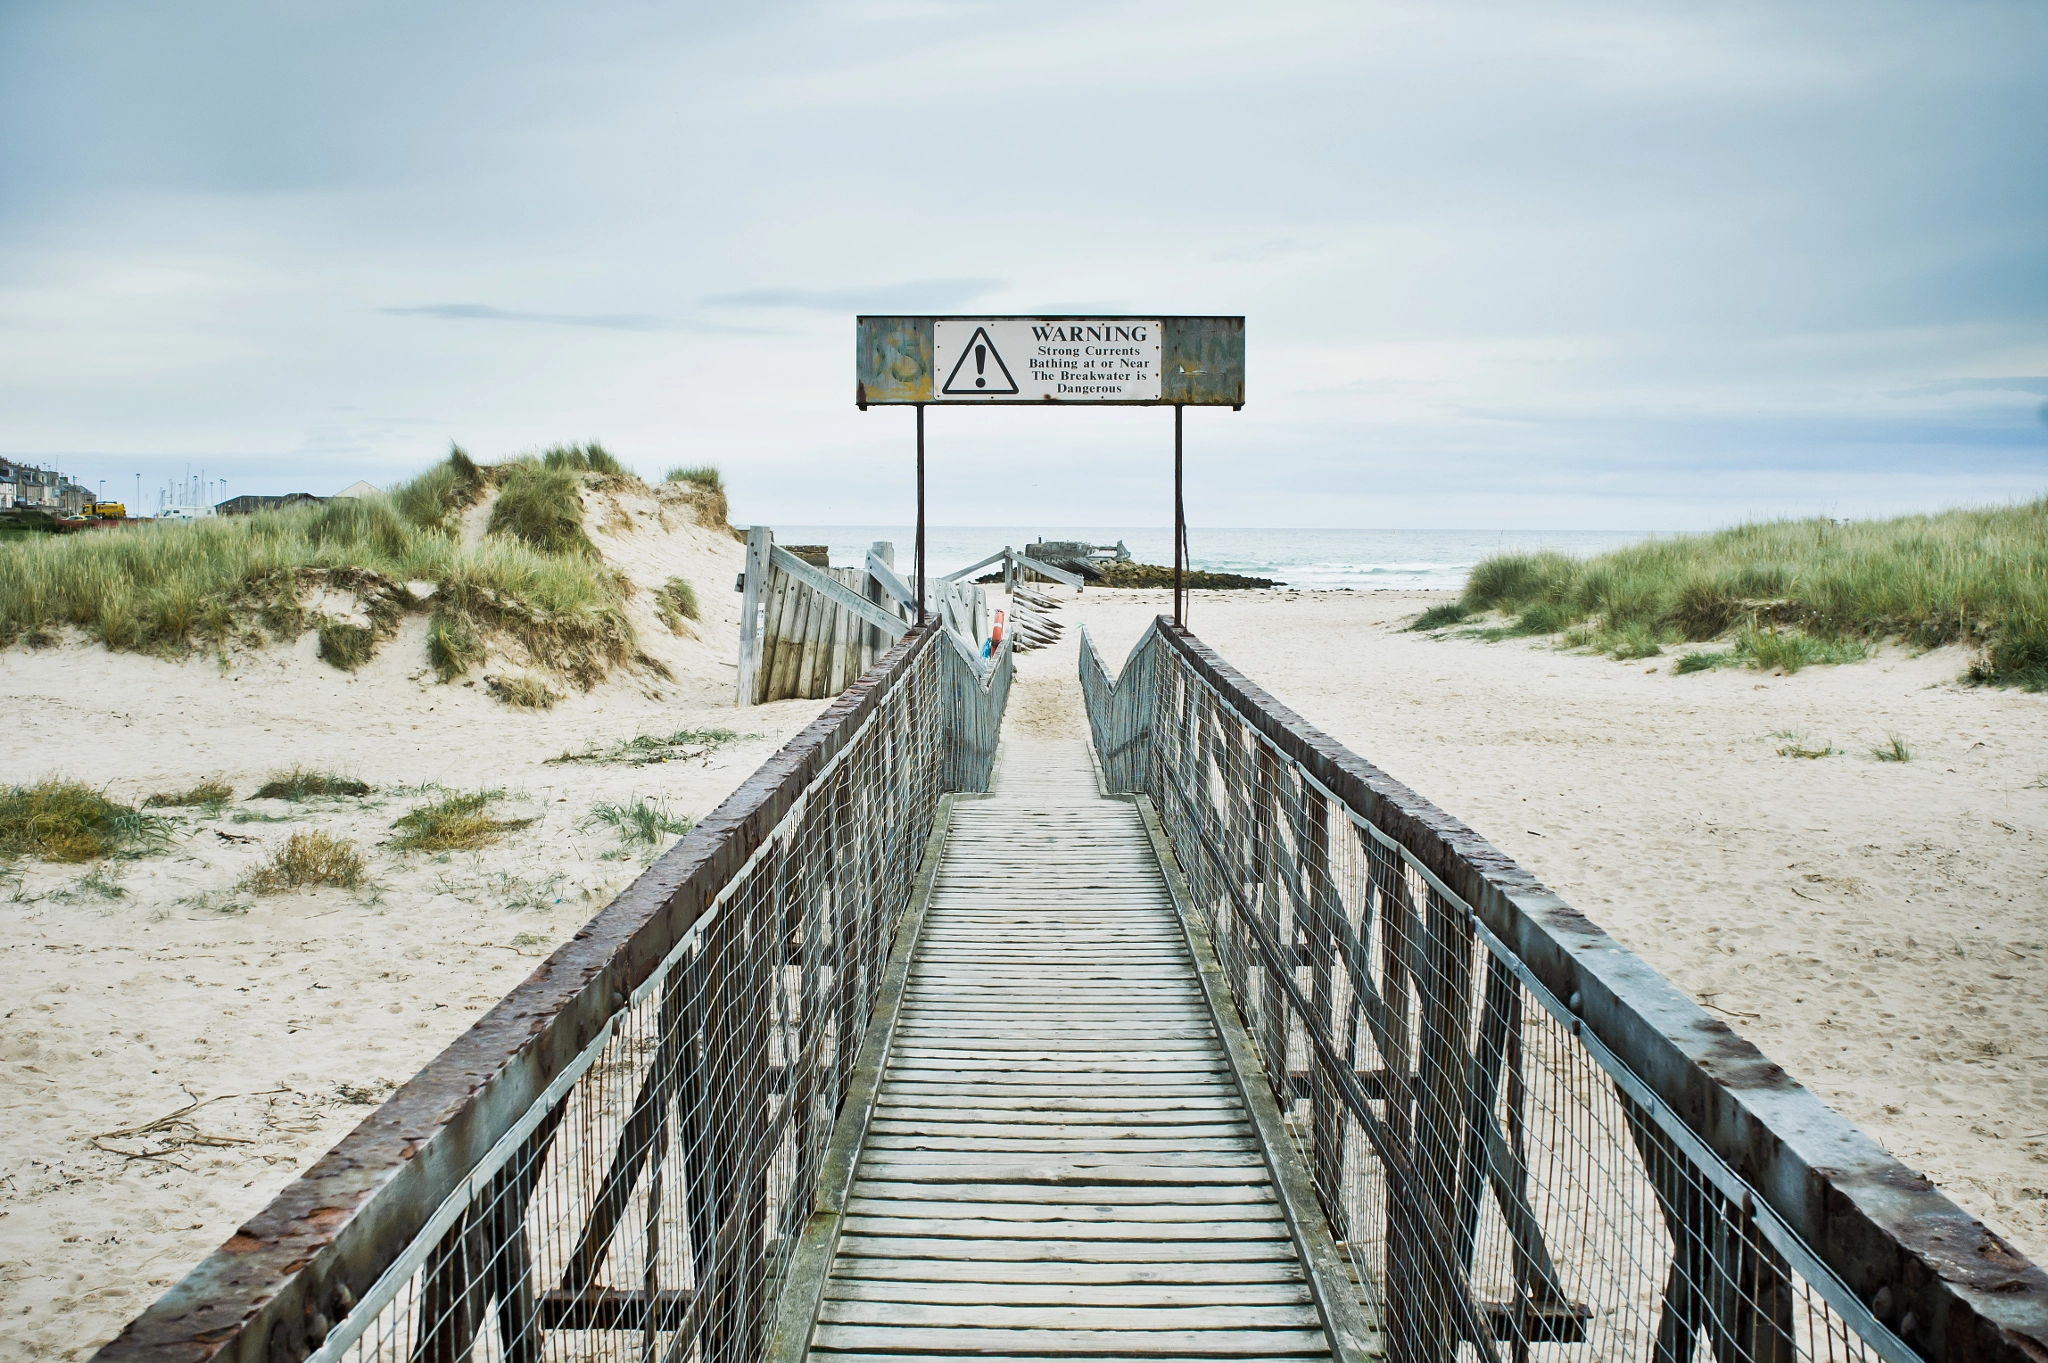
point(1504, 1186)
point(643, 1205)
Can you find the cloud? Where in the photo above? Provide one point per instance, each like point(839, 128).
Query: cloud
point(933, 294)
point(480, 312)
point(2021, 383)
point(607, 321)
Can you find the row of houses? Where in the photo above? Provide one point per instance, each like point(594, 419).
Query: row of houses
point(25, 485)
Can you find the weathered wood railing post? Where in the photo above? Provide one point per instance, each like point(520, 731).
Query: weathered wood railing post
point(759, 540)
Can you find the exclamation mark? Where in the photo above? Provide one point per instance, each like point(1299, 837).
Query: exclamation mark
point(980, 364)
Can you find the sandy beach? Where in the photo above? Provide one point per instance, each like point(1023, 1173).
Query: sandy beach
point(1878, 928)
point(176, 1054)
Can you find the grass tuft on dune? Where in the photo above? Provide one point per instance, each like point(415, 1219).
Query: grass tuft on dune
point(457, 822)
point(308, 859)
point(69, 821)
point(1791, 594)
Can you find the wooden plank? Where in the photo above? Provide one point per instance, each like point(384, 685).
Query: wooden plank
point(1063, 1317)
point(1072, 1171)
point(841, 641)
point(1170, 1217)
point(1182, 1147)
point(1122, 1343)
point(1122, 1232)
point(883, 571)
point(923, 1124)
point(853, 1269)
point(954, 1063)
point(1033, 1196)
point(810, 678)
point(788, 638)
point(754, 584)
point(1074, 1294)
point(1069, 1251)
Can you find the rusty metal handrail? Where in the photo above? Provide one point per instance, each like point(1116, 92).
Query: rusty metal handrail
point(1500, 1030)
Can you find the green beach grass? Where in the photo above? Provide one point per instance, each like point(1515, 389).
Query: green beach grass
point(171, 589)
point(1789, 594)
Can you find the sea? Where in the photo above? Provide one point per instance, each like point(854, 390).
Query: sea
point(1357, 560)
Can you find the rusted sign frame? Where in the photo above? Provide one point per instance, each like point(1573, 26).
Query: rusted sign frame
point(1201, 363)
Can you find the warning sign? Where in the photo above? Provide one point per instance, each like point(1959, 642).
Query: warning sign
point(1046, 359)
point(986, 376)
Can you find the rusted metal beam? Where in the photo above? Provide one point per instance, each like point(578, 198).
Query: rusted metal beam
point(269, 1293)
point(1927, 1270)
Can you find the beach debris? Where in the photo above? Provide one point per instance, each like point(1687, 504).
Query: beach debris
point(166, 1137)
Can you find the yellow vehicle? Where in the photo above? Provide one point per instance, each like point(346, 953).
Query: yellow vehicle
point(106, 511)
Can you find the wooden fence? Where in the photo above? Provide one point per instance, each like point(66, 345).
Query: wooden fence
point(808, 631)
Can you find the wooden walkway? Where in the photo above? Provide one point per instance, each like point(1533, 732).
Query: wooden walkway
point(1058, 1162)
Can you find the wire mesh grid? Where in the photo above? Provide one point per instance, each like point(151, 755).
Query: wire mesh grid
point(645, 1206)
point(1501, 1185)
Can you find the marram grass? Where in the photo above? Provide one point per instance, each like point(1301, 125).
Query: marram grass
point(171, 588)
point(1788, 594)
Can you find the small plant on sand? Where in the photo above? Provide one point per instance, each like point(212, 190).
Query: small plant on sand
point(224, 902)
point(346, 646)
point(528, 693)
point(638, 821)
point(1793, 743)
point(95, 884)
point(308, 858)
point(1440, 617)
point(211, 793)
point(648, 749)
point(1704, 661)
point(453, 646)
point(703, 475)
point(70, 821)
point(1633, 640)
point(676, 601)
point(1893, 749)
point(1788, 652)
point(297, 784)
point(454, 823)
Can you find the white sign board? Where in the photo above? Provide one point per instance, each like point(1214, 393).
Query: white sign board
point(1037, 359)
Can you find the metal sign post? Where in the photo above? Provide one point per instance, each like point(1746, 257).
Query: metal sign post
point(1099, 361)
point(1180, 520)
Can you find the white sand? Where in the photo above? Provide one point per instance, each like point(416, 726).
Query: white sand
point(289, 1015)
point(1880, 929)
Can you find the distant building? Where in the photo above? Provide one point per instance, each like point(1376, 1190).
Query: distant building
point(359, 489)
point(29, 487)
point(247, 502)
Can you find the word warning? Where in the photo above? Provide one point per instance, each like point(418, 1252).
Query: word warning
point(1046, 359)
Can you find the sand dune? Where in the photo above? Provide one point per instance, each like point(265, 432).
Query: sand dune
point(1879, 928)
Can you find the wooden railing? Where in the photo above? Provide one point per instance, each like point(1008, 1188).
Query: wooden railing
point(1524, 1136)
point(617, 1159)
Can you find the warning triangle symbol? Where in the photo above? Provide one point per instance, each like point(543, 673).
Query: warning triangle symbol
point(979, 372)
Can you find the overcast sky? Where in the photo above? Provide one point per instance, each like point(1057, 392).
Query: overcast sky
point(1558, 265)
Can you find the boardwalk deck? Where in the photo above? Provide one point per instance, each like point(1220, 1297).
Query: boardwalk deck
point(1059, 1162)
